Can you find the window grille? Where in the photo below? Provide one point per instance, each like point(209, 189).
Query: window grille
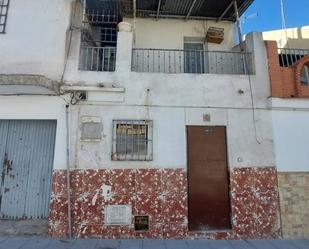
point(289, 56)
point(99, 38)
point(4, 6)
point(132, 140)
point(109, 35)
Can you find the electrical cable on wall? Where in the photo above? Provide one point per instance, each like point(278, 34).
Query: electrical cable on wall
point(246, 66)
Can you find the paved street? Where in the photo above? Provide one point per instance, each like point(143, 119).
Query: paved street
point(38, 243)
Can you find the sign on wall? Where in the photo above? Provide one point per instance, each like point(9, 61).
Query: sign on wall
point(118, 214)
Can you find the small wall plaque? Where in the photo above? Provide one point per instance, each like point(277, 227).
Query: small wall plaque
point(118, 214)
point(141, 223)
point(91, 129)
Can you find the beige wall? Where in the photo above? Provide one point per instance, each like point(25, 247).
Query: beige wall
point(294, 201)
point(289, 38)
point(170, 33)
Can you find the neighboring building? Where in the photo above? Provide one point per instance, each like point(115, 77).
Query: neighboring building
point(289, 75)
point(289, 38)
point(170, 131)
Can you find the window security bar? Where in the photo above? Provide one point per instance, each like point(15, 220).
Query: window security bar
point(132, 140)
point(4, 7)
point(289, 56)
point(96, 16)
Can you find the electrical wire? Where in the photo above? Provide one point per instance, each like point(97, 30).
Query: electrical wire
point(243, 48)
point(253, 109)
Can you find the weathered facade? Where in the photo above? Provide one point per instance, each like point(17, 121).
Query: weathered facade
point(126, 103)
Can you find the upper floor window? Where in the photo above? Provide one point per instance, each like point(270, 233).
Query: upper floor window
point(132, 140)
point(304, 75)
point(4, 6)
point(99, 37)
point(194, 57)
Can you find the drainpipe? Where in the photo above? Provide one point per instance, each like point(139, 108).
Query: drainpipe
point(68, 172)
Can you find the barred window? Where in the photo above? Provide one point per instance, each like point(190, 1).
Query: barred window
point(132, 140)
point(4, 6)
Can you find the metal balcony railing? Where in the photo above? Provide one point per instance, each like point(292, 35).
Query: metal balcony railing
point(191, 61)
point(289, 56)
point(97, 58)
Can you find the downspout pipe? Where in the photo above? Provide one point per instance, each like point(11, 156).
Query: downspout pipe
point(68, 171)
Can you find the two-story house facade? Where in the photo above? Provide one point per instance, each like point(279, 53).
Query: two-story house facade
point(146, 116)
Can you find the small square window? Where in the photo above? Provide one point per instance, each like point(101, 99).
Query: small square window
point(4, 6)
point(132, 140)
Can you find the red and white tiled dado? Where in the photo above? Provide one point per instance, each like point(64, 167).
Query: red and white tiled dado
point(161, 194)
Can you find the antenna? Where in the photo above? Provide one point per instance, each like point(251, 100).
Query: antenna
point(283, 22)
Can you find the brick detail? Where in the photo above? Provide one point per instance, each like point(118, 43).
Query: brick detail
point(302, 91)
point(285, 81)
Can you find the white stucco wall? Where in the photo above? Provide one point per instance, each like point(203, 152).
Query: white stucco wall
point(169, 135)
point(39, 108)
point(35, 38)
point(173, 101)
point(170, 33)
point(291, 134)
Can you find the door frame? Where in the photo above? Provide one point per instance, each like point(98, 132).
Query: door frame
point(228, 176)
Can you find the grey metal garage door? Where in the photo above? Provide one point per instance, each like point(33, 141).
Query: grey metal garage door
point(26, 161)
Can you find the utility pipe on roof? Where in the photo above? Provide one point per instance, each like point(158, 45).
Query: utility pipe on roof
point(192, 17)
point(190, 10)
point(225, 11)
point(158, 10)
point(238, 21)
point(240, 36)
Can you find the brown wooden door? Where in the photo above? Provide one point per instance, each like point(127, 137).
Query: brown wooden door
point(209, 203)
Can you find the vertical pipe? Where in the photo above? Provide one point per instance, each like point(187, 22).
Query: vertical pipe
point(68, 172)
point(84, 11)
point(134, 23)
point(240, 36)
point(238, 23)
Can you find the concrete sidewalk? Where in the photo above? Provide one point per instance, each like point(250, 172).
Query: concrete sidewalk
point(40, 243)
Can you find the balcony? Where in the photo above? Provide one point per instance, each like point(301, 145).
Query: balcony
point(176, 61)
point(102, 59)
